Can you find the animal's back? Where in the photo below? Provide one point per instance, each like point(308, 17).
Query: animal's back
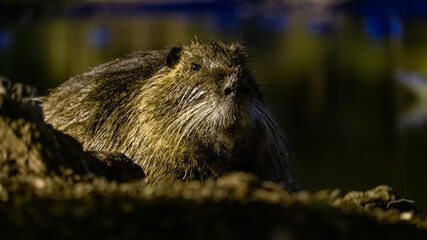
point(84, 102)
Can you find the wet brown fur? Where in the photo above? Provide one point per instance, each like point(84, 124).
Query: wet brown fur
point(189, 112)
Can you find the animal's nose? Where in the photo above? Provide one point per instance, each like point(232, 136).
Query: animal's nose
point(231, 85)
point(229, 91)
point(230, 88)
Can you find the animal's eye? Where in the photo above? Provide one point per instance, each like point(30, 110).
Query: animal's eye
point(195, 67)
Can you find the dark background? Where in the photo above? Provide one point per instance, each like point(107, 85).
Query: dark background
point(337, 72)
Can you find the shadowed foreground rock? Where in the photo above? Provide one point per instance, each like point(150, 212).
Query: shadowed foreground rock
point(30, 147)
point(51, 188)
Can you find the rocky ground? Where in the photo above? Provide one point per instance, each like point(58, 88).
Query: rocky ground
point(51, 188)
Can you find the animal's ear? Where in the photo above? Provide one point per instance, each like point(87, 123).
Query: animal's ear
point(237, 48)
point(173, 56)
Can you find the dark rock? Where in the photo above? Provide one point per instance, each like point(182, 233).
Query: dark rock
point(29, 146)
point(378, 197)
point(17, 91)
point(383, 197)
point(220, 209)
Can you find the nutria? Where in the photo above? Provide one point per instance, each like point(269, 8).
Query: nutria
point(189, 112)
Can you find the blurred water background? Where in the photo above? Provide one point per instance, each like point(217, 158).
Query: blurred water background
point(347, 78)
